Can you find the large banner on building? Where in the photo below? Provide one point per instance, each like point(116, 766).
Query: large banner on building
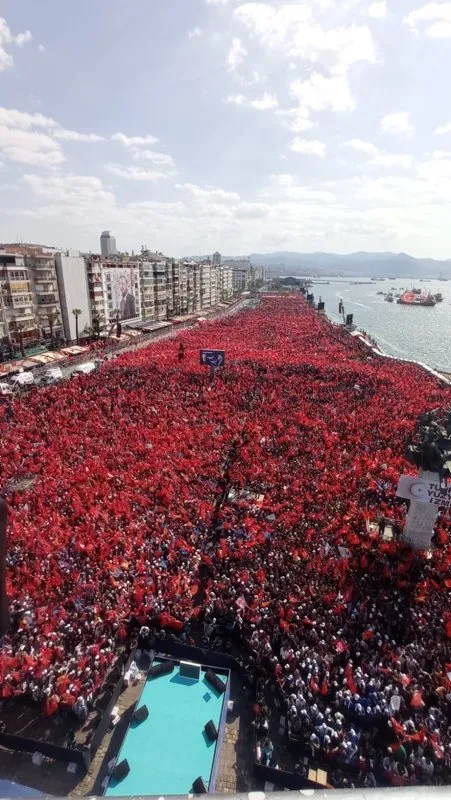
point(124, 293)
point(421, 491)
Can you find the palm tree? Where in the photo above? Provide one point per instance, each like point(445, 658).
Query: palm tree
point(20, 327)
point(97, 320)
point(52, 317)
point(76, 312)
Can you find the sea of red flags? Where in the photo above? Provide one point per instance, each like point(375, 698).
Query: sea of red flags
point(128, 516)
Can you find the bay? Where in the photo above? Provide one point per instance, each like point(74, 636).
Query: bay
point(420, 333)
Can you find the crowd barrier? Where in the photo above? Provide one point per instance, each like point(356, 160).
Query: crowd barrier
point(82, 755)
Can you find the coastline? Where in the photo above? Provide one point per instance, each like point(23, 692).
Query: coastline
point(444, 377)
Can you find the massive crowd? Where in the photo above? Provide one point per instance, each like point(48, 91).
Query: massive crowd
point(242, 508)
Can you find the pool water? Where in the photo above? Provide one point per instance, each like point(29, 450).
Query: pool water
point(169, 750)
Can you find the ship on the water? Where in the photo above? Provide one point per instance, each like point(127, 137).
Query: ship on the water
point(412, 297)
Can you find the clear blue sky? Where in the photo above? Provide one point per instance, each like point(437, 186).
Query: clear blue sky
point(196, 125)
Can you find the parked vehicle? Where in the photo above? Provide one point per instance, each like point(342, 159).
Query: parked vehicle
point(54, 373)
point(22, 379)
point(5, 389)
point(85, 369)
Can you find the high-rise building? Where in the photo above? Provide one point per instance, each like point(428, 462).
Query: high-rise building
point(108, 244)
point(44, 286)
point(30, 298)
point(241, 273)
point(114, 289)
point(225, 287)
point(73, 292)
point(217, 259)
point(19, 322)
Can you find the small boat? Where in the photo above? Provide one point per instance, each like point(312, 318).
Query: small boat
point(413, 298)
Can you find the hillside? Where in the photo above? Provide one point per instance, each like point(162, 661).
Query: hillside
point(362, 263)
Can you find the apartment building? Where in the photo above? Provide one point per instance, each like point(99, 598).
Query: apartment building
point(19, 322)
point(225, 284)
point(44, 287)
point(114, 288)
point(241, 273)
point(161, 288)
point(193, 286)
point(145, 269)
point(183, 287)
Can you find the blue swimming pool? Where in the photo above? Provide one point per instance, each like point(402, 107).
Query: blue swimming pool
point(169, 750)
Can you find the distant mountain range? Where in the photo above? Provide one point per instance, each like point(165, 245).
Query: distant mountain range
point(396, 265)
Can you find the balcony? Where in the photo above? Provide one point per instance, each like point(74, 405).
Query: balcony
point(47, 300)
point(45, 286)
point(44, 264)
point(22, 317)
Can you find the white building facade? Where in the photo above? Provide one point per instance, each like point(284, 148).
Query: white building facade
point(73, 292)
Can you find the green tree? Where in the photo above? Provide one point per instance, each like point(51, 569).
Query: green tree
point(97, 322)
point(76, 312)
point(52, 318)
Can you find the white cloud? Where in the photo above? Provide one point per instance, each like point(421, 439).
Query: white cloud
point(209, 193)
point(282, 179)
point(23, 120)
point(297, 120)
point(264, 103)
point(236, 56)
point(442, 129)
point(76, 198)
point(134, 141)
point(23, 38)
point(311, 147)
point(75, 136)
point(319, 93)
point(362, 147)
point(160, 159)
point(435, 16)
point(193, 32)
point(237, 99)
point(378, 10)
point(252, 210)
point(378, 157)
point(41, 48)
point(137, 148)
point(134, 173)
point(293, 29)
point(439, 30)
point(30, 147)
point(399, 122)
point(402, 160)
point(286, 185)
point(7, 38)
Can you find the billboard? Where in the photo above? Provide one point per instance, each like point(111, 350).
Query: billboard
point(422, 491)
point(213, 358)
point(124, 292)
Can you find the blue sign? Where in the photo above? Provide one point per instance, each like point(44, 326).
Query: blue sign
point(212, 358)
